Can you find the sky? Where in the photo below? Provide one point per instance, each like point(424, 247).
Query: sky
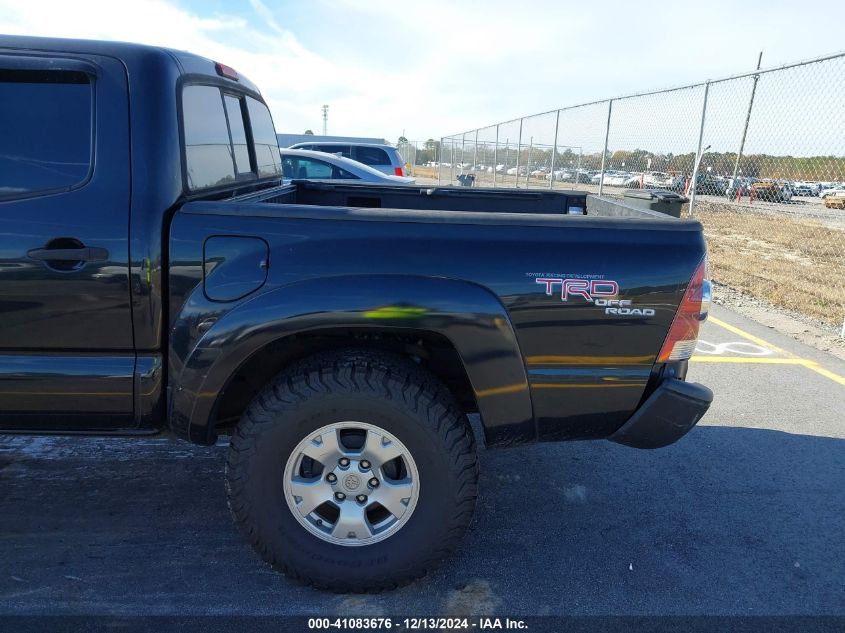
point(429, 69)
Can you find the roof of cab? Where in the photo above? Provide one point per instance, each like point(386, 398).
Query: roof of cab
point(188, 63)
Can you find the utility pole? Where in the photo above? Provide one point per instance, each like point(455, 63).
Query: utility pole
point(325, 118)
point(747, 117)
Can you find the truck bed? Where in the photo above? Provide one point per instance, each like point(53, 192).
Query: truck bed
point(453, 199)
point(587, 370)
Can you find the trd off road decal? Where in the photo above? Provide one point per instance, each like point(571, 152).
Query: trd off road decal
point(593, 289)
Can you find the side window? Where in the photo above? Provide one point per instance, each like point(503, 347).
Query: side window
point(343, 150)
point(208, 153)
point(340, 172)
point(372, 156)
point(267, 156)
point(289, 166)
point(45, 131)
point(236, 127)
point(311, 168)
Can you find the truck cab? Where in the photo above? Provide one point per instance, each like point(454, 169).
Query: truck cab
point(85, 194)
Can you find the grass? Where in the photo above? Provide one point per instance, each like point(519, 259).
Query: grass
point(791, 262)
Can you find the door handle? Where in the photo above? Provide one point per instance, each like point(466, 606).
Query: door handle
point(84, 254)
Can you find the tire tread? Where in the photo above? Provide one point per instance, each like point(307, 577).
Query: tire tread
point(385, 375)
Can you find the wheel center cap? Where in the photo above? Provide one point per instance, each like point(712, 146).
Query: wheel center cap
point(351, 482)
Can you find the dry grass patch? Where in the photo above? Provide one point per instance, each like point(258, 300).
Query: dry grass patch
point(791, 262)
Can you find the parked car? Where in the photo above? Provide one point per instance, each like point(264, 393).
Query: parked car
point(557, 174)
point(711, 185)
point(806, 188)
point(633, 181)
point(770, 190)
point(619, 179)
point(339, 332)
point(735, 185)
point(835, 200)
point(384, 158)
point(305, 164)
point(657, 179)
point(831, 190)
point(609, 173)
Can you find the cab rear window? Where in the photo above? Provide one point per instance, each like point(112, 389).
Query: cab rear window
point(208, 147)
point(268, 160)
point(218, 151)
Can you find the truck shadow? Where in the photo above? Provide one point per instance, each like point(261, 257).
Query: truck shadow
point(729, 520)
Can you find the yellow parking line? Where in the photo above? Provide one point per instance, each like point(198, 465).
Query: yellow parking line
point(746, 359)
point(791, 360)
point(824, 372)
point(746, 335)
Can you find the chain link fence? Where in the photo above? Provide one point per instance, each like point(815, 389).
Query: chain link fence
point(417, 154)
point(761, 156)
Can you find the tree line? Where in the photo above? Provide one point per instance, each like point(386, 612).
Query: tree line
point(782, 167)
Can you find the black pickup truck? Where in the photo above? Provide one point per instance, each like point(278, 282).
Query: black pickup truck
point(156, 273)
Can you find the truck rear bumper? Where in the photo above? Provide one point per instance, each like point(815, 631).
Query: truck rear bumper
point(666, 416)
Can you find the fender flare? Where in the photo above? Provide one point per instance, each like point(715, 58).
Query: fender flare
point(470, 316)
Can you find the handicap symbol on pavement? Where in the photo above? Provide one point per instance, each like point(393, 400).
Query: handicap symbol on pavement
point(741, 348)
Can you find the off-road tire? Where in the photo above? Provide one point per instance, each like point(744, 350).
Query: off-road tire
point(384, 389)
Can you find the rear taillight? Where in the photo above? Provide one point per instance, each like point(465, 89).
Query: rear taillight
point(683, 335)
point(398, 171)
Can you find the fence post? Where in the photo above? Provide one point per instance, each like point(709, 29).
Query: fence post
point(439, 162)
point(475, 151)
point(578, 168)
point(528, 166)
point(463, 151)
point(496, 155)
point(604, 152)
point(452, 163)
point(747, 118)
point(698, 151)
point(554, 151)
point(518, 149)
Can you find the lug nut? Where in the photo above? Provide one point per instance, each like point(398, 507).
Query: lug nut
point(339, 496)
point(331, 478)
point(343, 461)
point(365, 465)
point(361, 498)
point(373, 483)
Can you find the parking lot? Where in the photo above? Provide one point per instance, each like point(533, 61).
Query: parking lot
point(742, 517)
point(799, 207)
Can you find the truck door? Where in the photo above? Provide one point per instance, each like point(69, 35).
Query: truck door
point(66, 347)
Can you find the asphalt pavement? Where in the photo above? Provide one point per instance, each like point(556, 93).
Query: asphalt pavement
point(744, 516)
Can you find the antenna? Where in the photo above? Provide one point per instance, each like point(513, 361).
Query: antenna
point(325, 118)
